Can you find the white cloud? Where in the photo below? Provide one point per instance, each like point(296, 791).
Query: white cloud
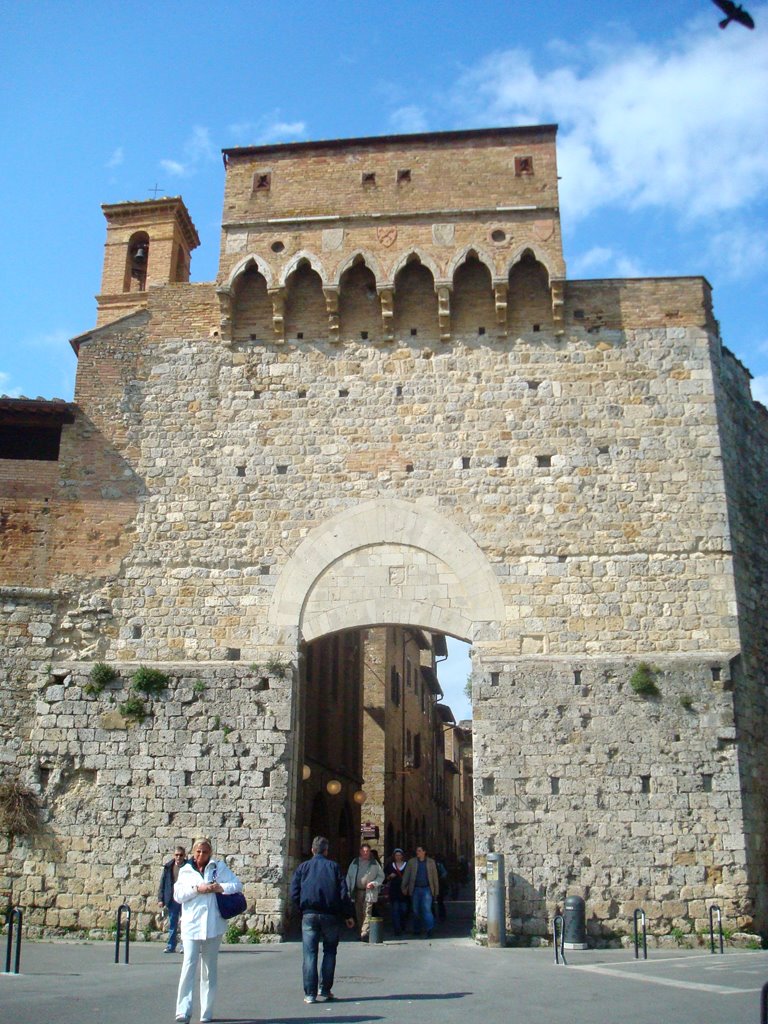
point(118, 156)
point(683, 125)
point(4, 389)
point(739, 252)
point(408, 119)
point(607, 262)
point(267, 129)
point(174, 167)
point(198, 150)
point(760, 389)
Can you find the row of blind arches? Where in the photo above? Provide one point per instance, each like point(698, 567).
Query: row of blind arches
point(415, 302)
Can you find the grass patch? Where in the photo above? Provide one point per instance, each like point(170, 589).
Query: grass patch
point(134, 709)
point(150, 681)
point(100, 676)
point(643, 680)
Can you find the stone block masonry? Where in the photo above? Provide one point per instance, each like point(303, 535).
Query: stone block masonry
point(391, 408)
point(211, 758)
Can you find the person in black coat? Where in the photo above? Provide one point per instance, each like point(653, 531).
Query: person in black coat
point(319, 890)
point(165, 895)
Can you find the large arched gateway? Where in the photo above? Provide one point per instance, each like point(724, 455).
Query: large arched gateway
point(390, 412)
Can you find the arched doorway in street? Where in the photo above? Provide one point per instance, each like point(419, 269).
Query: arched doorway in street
point(372, 595)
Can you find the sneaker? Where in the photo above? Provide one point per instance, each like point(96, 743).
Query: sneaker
point(310, 999)
point(329, 997)
point(182, 1019)
point(169, 950)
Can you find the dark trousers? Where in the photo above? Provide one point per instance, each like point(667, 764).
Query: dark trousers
point(313, 928)
point(399, 910)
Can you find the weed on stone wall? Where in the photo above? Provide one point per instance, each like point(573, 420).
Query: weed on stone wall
point(100, 676)
point(234, 932)
point(150, 681)
point(134, 709)
point(643, 680)
point(19, 808)
point(277, 667)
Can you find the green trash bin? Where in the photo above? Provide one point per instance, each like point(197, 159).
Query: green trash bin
point(376, 933)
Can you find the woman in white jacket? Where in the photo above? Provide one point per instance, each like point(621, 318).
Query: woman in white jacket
point(201, 925)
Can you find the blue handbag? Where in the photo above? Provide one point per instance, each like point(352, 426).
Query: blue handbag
point(229, 904)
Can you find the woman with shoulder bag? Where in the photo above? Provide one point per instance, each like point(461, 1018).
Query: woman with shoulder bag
point(202, 926)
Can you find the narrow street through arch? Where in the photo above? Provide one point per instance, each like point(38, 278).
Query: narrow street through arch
point(383, 758)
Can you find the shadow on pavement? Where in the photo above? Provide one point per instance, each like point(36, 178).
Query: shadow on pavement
point(411, 997)
point(293, 1020)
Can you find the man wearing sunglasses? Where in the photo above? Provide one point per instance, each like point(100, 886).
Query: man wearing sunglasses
point(165, 896)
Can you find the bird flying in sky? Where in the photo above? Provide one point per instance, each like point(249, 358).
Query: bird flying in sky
point(733, 12)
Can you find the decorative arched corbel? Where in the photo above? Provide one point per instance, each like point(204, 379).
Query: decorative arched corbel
point(443, 290)
point(387, 298)
point(332, 308)
point(224, 296)
point(500, 294)
point(558, 304)
point(277, 295)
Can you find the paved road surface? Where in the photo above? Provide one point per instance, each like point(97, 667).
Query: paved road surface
point(443, 981)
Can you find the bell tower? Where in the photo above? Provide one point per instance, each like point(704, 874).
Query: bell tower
point(148, 243)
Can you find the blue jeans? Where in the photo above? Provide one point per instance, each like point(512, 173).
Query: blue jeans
point(174, 913)
point(314, 927)
point(422, 909)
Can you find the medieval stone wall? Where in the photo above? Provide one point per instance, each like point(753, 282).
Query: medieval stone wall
point(591, 789)
point(426, 427)
point(212, 757)
point(744, 431)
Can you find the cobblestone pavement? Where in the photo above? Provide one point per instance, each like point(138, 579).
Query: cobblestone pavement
point(405, 982)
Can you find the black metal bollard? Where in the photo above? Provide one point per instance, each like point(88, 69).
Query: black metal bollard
point(575, 916)
point(120, 909)
point(558, 919)
point(640, 913)
point(14, 914)
point(714, 908)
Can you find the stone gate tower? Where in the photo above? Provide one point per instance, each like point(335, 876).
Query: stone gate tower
point(391, 408)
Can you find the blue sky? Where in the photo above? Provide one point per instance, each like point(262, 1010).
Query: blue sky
point(663, 144)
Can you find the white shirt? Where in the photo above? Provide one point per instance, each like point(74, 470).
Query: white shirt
point(200, 917)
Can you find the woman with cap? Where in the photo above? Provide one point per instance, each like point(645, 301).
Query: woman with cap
point(398, 901)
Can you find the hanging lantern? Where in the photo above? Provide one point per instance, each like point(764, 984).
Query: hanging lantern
point(359, 797)
point(333, 787)
point(306, 771)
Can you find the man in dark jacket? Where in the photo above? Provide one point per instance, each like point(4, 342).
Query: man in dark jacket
point(319, 890)
point(165, 896)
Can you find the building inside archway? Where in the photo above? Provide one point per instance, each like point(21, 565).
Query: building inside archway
point(384, 759)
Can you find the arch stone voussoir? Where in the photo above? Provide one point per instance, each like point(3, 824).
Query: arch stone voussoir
point(242, 265)
point(387, 561)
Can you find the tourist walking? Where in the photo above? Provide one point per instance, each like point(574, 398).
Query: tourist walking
point(165, 898)
point(364, 879)
point(202, 926)
point(398, 901)
point(319, 890)
point(422, 883)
